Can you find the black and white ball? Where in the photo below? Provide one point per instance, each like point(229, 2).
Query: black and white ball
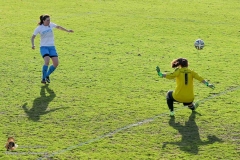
point(199, 44)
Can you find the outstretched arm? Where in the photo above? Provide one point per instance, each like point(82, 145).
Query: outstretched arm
point(63, 29)
point(196, 76)
point(208, 84)
point(160, 73)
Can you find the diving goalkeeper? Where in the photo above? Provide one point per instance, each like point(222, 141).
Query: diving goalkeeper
point(183, 92)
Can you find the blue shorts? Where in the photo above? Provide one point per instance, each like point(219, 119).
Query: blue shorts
point(48, 51)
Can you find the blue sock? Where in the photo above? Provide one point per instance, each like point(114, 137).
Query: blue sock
point(44, 71)
point(51, 69)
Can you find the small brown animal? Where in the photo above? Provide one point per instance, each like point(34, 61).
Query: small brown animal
point(11, 145)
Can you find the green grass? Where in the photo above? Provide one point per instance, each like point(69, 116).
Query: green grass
point(105, 100)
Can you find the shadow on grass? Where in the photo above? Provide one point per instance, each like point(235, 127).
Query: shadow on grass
point(190, 135)
point(40, 104)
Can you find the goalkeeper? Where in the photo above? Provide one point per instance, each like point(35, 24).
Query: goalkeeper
point(183, 92)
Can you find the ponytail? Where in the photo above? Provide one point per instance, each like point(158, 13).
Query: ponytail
point(43, 18)
point(183, 62)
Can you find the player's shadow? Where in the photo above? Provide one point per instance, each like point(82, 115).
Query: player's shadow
point(40, 104)
point(190, 135)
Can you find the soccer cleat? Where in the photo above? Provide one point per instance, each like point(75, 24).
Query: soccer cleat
point(195, 105)
point(48, 79)
point(171, 114)
point(43, 81)
point(191, 107)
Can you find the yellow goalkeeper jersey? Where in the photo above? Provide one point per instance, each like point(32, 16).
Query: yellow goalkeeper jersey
point(184, 89)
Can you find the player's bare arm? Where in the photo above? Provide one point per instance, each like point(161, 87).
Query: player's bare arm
point(32, 40)
point(64, 29)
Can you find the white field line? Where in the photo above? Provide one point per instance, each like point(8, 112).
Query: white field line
point(130, 126)
point(231, 89)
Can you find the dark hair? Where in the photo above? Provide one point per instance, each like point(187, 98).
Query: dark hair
point(43, 18)
point(183, 62)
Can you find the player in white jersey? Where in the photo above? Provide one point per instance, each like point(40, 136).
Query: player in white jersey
point(47, 46)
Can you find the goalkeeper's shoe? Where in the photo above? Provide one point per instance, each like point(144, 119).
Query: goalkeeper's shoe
point(194, 106)
point(171, 114)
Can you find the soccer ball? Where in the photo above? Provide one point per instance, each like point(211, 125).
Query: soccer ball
point(199, 44)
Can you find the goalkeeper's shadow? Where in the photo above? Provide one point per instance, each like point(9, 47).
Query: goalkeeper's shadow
point(190, 135)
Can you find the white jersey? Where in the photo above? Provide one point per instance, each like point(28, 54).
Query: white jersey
point(46, 33)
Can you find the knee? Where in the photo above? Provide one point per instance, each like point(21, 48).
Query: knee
point(169, 95)
point(46, 63)
point(55, 64)
point(46, 60)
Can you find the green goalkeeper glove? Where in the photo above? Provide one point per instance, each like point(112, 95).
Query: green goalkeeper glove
point(209, 85)
point(159, 72)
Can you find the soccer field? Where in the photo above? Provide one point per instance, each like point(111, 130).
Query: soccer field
point(105, 100)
